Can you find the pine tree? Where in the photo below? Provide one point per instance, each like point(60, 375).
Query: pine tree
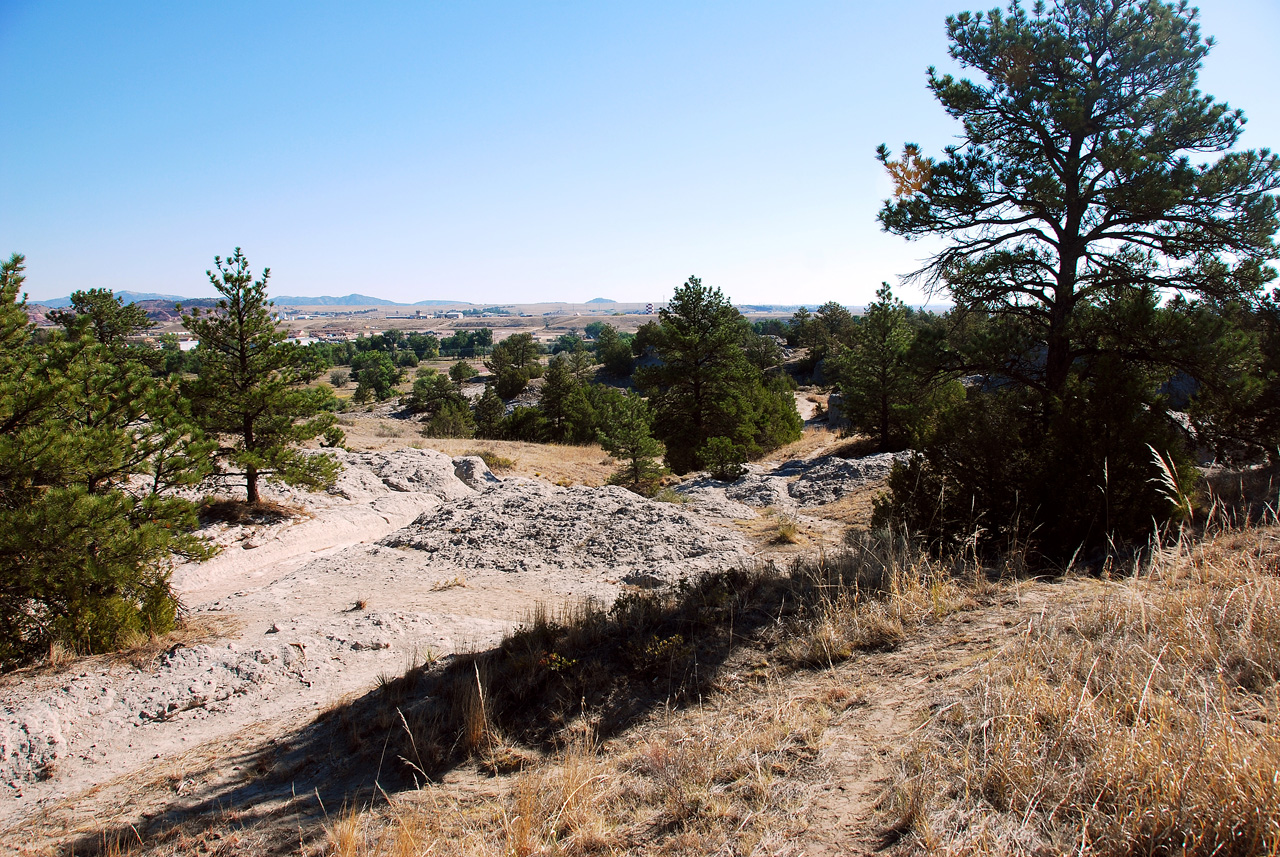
point(614, 351)
point(880, 376)
point(91, 446)
point(628, 440)
point(110, 319)
point(1093, 182)
point(558, 388)
point(489, 413)
point(705, 386)
point(513, 361)
point(461, 372)
point(581, 363)
point(1076, 187)
point(251, 385)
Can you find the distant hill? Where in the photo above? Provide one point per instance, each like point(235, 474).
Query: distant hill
point(356, 300)
point(285, 300)
point(602, 301)
point(126, 296)
point(326, 300)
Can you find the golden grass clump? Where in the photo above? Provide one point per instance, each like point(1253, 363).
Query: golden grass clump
point(493, 460)
point(726, 778)
point(787, 528)
point(1146, 722)
point(896, 587)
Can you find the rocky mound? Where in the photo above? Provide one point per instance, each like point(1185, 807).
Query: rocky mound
point(422, 471)
point(39, 730)
point(524, 525)
point(827, 479)
point(317, 609)
point(799, 483)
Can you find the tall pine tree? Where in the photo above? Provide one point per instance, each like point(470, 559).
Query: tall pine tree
point(252, 390)
point(705, 386)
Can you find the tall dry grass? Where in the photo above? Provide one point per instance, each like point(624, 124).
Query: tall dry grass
point(720, 779)
point(873, 596)
point(1147, 722)
point(718, 763)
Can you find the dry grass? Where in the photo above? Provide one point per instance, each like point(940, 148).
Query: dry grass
point(720, 764)
point(877, 611)
point(787, 529)
point(1239, 497)
point(492, 460)
point(139, 651)
point(562, 464)
point(1146, 723)
point(718, 779)
point(142, 651)
point(854, 509)
point(667, 494)
point(232, 510)
point(60, 656)
point(572, 465)
point(815, 441)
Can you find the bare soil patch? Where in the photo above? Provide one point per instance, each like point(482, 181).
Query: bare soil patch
point(417, 556)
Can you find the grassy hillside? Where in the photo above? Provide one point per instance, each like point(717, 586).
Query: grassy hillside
point(873, 700)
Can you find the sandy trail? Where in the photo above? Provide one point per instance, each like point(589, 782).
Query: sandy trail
point(315, 609)
point(415, 553)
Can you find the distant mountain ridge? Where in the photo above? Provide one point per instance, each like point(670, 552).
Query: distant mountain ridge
point(326, 300)
point(286, 300)
point(126, 296)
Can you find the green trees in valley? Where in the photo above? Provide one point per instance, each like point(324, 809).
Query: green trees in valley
point(489, 412)
point(376, 374)
point(614, 351)
point(447, 410)
point(513, 361)
point(251, 387)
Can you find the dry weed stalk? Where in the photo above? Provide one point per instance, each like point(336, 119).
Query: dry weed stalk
point(1148, 722)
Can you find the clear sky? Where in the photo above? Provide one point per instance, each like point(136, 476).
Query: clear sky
point(490, 151)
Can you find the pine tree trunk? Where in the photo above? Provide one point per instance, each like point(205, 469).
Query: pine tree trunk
point(250, 472)
point(884, 422)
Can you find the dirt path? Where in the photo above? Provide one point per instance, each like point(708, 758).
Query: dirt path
point(902, 689)
point(312, 610)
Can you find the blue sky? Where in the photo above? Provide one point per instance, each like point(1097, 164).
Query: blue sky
point(490, 152)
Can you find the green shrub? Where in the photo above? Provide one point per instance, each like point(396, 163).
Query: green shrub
point(998, 473)
point(723, 459)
